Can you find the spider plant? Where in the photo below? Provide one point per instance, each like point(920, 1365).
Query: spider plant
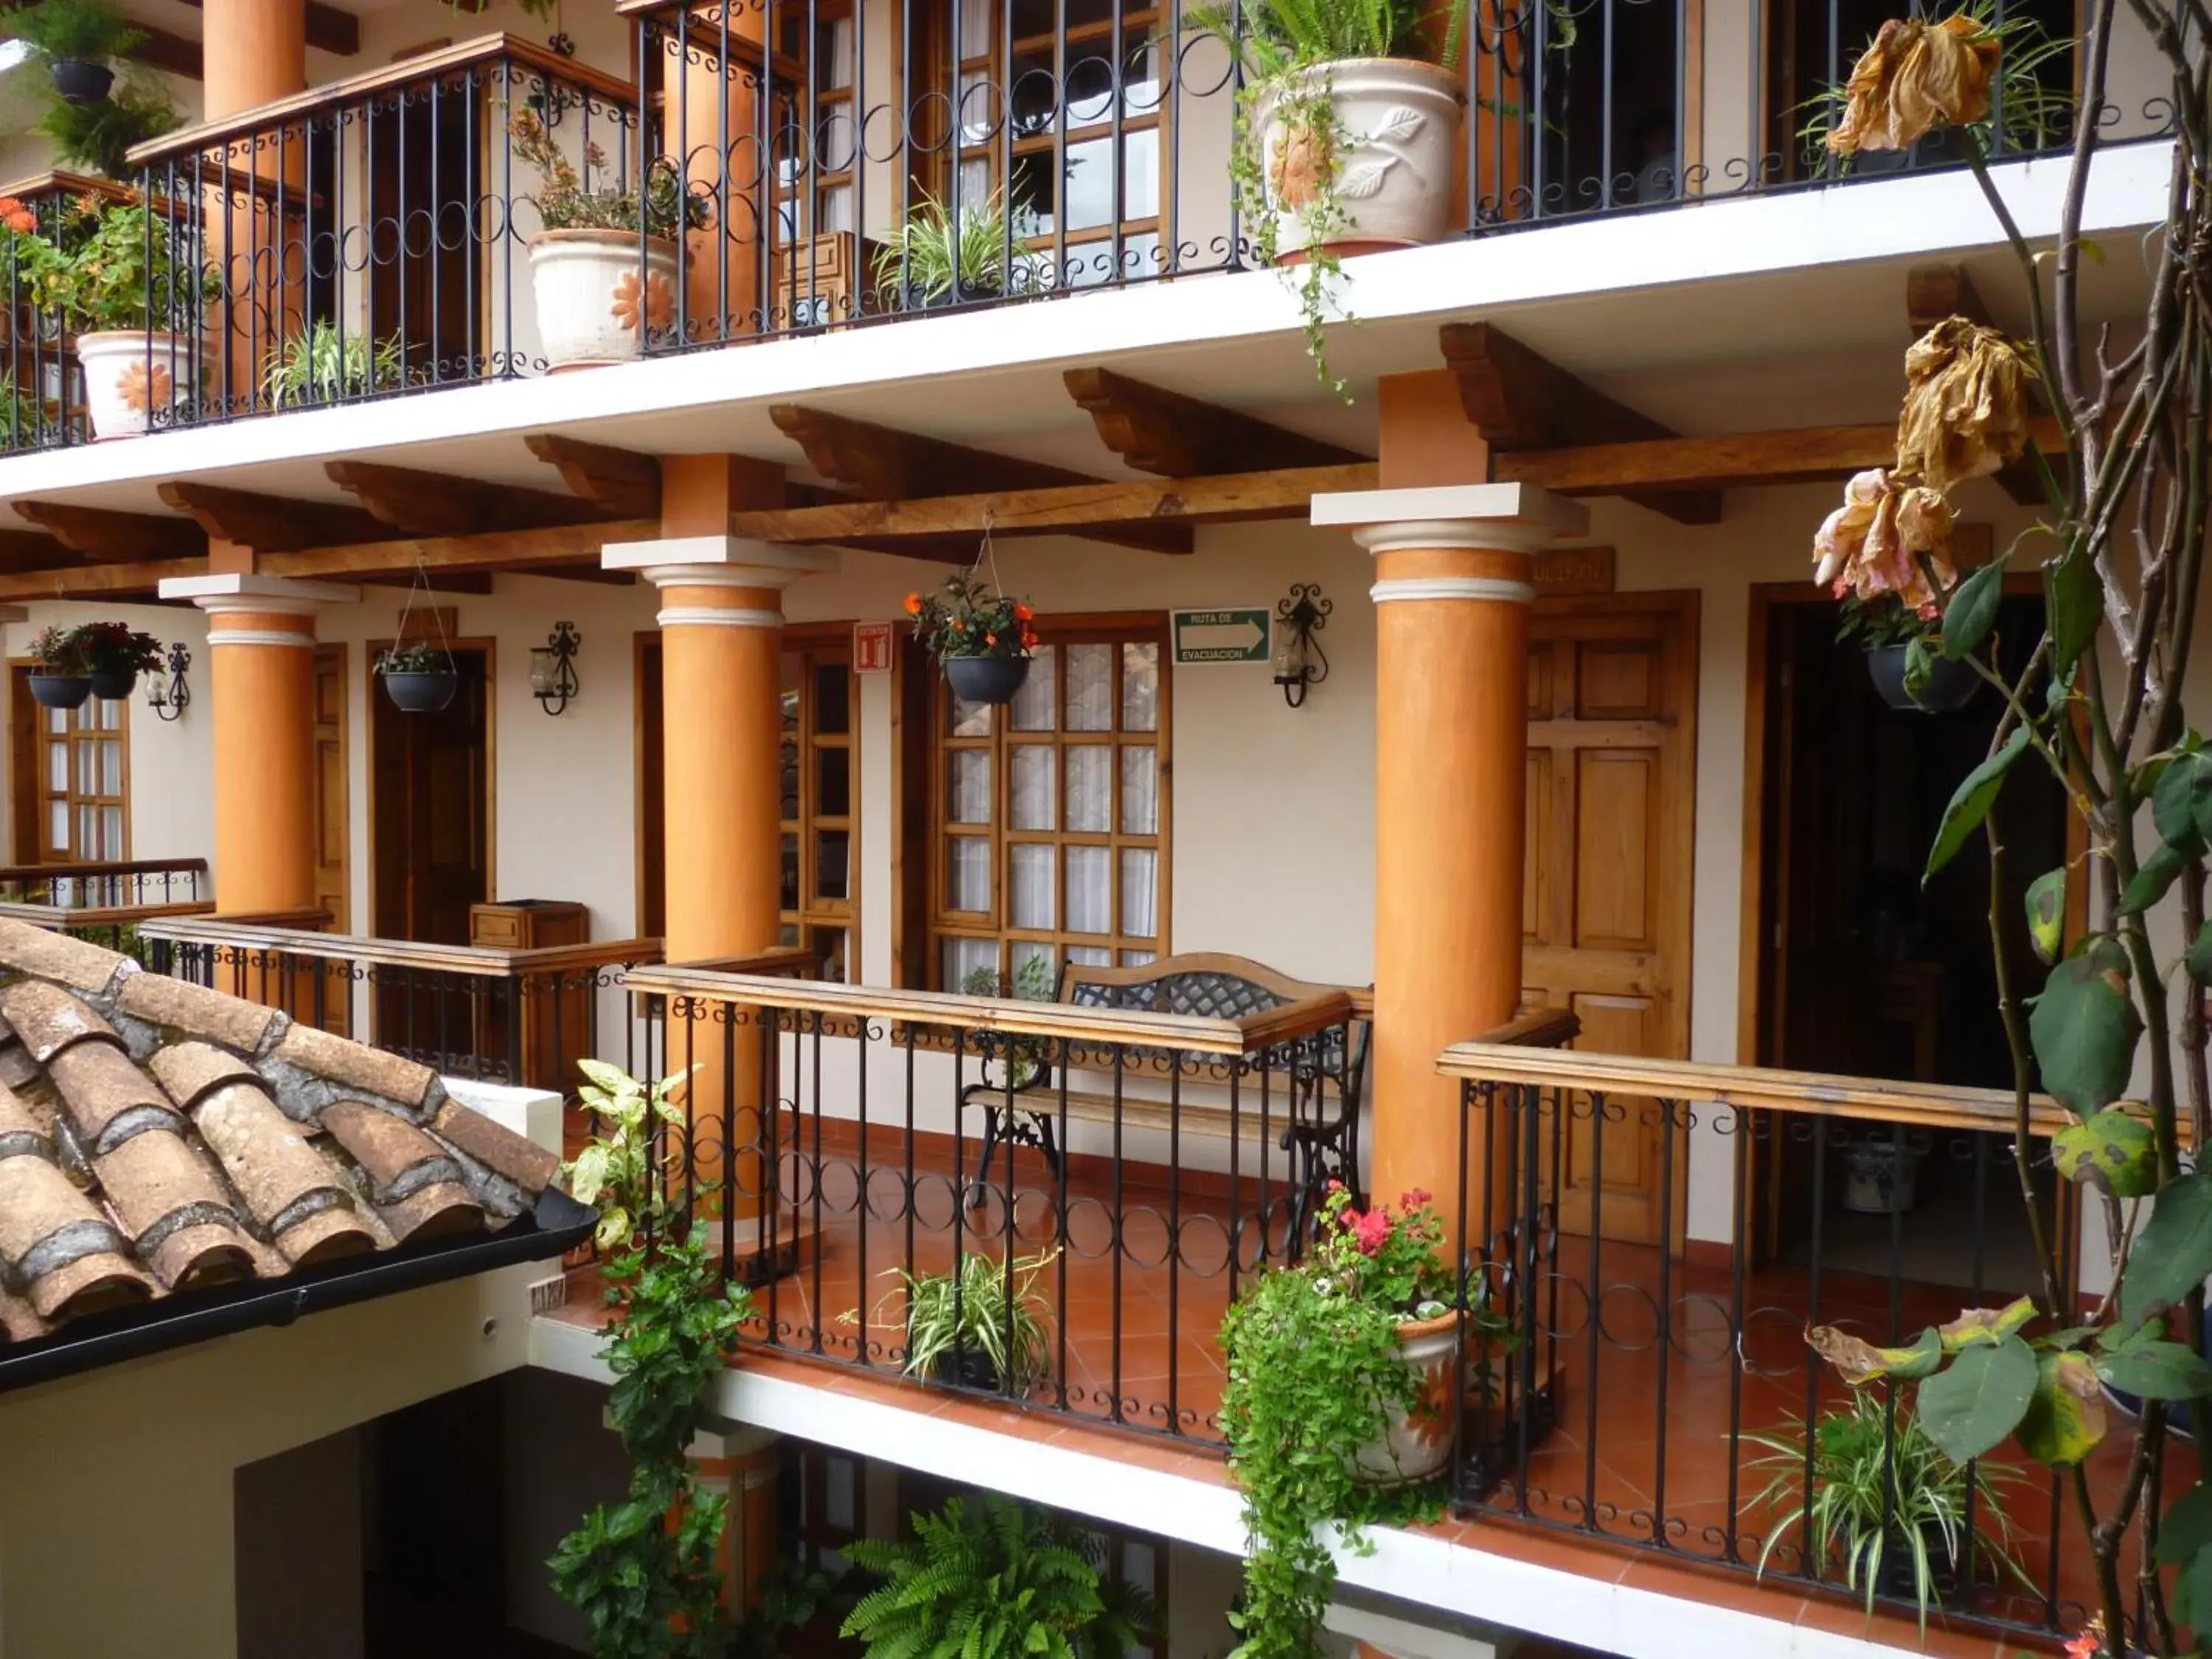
point(1879, 1484)
point(2037, 116)
point(935, 260)
point(987, 1314)
point(315, 366)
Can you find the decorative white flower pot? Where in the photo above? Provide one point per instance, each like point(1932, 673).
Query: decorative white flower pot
point(1417, 1439)
point(128, 375)
point(594, 304)
point(1401, 123)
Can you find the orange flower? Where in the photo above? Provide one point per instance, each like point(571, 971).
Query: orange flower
point(914, 605)
point(1023, 613)
point(21, 222)
point(990, 639)
point(1028, 639)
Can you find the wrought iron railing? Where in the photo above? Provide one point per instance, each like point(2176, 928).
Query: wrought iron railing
point(1637, 1393)
point(42, 390)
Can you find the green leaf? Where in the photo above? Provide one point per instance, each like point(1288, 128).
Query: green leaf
point(2067, 1417)
point(2157, 1370)
point(1973, 612)
point(2187, 1528)
point(2111, 1151)
point(1983, 1328)
point(2152, 877)
point(2198, 958)
point(1919, 667)
point(1970, 802)
point(1859, 1362)
point(2172, 1253)
point(2192, 1592)
point(2077, 609)
point(1969, 1408)
point(2181, 800)
point(2083, 1028)
point(2046, 913)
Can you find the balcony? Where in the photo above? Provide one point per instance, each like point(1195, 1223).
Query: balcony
point(1626, 1403)
point(372, 238)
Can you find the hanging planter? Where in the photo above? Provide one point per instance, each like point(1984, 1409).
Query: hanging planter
point(60, 678)
point(1950, 685)
point(980, 637)
point(60, 690)
point(114, 655)
point(420, 677)
point(81, 81)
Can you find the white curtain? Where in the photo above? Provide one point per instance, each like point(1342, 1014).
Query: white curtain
point(1033, 776)
point(1090, 788)
point(1089, 890)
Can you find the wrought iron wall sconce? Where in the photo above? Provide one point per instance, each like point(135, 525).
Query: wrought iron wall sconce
point(167, 695)
point(1299, 660)
point(553, 668)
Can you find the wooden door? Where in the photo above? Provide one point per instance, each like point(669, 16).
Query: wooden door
point(1611, 749)
point(426, 268)
point(333, 1011)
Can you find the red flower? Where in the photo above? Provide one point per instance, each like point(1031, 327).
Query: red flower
point(990, 639)
point(1414, 1197)
point(1371, 1228)
point(914, 605)
point(1023, 613)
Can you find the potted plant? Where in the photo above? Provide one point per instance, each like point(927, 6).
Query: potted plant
point(60, 678)
point(1885, 1502)
point(1347, 124)
point(115, 654)
point(1905, 660)
point(1885, 553)
point(1341, 1378)
point(983, 1329)
point(418, 677)
point(595, 303)
point(315, 366)
point(992, 1578)
point(981, 638)
point(100, 134)
point(936, 263)
point(1880, 1176)
point(76, 40)
point(113, 274)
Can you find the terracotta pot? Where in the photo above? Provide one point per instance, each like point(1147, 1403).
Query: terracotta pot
point(593, 306)
point(1401, 120)
point(1416, 1442)
point(128, 375)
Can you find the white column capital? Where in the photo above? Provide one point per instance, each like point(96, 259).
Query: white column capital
point(1515, 518)
point(716, 562)
point(259, 596)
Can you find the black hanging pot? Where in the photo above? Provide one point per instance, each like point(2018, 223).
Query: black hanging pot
point(60, 690)
point(987, 679)
point(1950, 685)
point(113, 685)
point(81, 83)
point(422, 692)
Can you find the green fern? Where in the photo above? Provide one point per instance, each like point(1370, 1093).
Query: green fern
point(993, 1580)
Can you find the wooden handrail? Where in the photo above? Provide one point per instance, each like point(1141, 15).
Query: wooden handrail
point(481, 961)
point(1815, 1094)
point(461, 54)
point(101, 915)
point(1014, 1017)
point(92, 870)
point(59, 182)
point(1537, 1028)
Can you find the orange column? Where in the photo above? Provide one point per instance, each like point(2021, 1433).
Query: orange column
point(724, 162)
point(255, 53)
point(1452, 590)
point(261, 695)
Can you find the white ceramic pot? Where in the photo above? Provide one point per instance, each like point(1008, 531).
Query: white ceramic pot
point(1417, 1440)
point(128, 375)
point(1400, 121)
point(593, 307)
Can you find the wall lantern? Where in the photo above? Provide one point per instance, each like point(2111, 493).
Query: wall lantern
point(167, 695)
point(1299, 660)
point(553, 668)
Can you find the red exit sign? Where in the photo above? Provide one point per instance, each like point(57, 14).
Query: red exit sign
point(872, 648)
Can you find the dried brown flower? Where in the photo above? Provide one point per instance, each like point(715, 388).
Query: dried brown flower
point(1965, 404)
point(1916, 76)
point(1874, 545)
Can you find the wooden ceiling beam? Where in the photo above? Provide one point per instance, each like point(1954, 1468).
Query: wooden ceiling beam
point(1177, 436)
point(1933, 293)
point(882, 465)
point(622, 481)
point(22, 551)
point(330, 28)
point(419, 503)
point(1794, 456)
point(518, 551)
point(270, 524)
point(97, 580)
point(107, 536)
point(1520, 400)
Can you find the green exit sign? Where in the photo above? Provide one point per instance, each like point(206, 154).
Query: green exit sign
point(1237, 636)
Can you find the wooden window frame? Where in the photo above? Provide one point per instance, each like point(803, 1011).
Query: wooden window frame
point(804, 193)
point(821, 646)
point(943, 923)
point(42, 793)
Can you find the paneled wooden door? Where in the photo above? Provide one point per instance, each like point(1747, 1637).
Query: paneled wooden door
point(1612, 685)
point(333, 834)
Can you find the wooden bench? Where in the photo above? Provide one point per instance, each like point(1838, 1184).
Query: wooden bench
point(1316, 1085)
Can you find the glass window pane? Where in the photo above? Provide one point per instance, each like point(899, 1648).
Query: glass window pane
point(833, 866)
point(58, 765)
point(1033, 704)
point(970, 965)
point(1140, 792)
point(1140, 894)
point(833, 703)
point(1140, 688)
point(786, 782)
point(969, 719)
point(1089, 890)
point(1035, 976)
point(58, 720)
point(1090, 956)
point(970, 785)
point(1089, 788)
point(57, 826)
point(833, 782)
point(968, 865)
point(787, 875)
point(1138, 958)
point(1032, 773)
point(1028, 870)
point(88, 832)
point(836, 966)
point(111, 769)
point(1089, 688)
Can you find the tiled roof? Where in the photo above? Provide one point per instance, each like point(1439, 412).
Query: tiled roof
point(158, 1138)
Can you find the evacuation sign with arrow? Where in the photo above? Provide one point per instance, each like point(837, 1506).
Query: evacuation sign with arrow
point(1238, 635)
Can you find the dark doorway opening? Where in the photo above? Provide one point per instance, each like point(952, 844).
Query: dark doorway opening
point(426, 268)
point(1866, 973)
